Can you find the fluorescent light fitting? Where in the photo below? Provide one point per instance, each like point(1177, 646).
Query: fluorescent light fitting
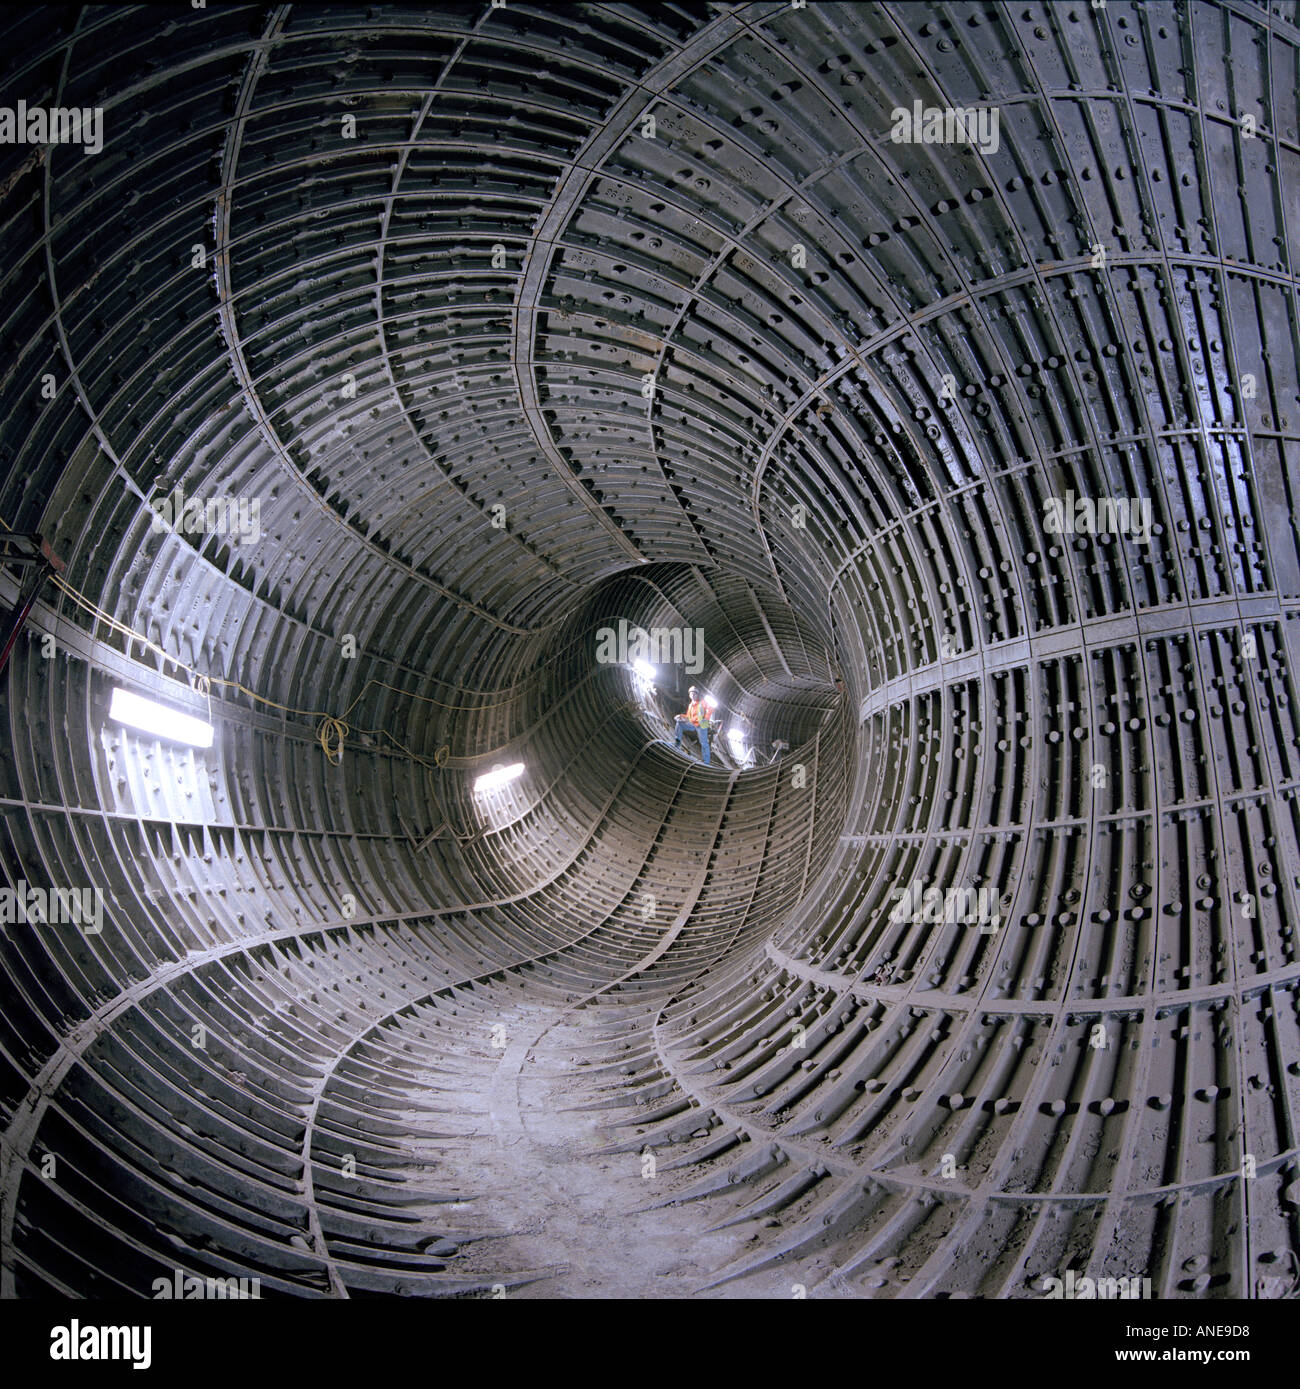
point(149, 717)
point(499, 776)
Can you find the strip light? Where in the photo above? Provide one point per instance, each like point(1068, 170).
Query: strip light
point(137, 712)
point(499, 776)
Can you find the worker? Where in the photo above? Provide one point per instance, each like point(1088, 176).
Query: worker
point(696, 717)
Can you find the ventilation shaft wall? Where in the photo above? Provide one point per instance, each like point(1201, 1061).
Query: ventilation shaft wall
point(501, 360)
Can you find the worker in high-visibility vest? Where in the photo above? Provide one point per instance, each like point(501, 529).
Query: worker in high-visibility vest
point(696, 717)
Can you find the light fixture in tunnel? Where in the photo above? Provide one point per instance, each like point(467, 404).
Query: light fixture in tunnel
point(150, 717)
point(643, 681)
point(498, 776)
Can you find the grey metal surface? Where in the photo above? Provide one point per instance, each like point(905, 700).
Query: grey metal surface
point(502, 365)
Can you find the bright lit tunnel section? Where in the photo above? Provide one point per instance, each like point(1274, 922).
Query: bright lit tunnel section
point(974, 463)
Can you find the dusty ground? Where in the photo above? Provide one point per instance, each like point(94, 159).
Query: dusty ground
point(575, 1216)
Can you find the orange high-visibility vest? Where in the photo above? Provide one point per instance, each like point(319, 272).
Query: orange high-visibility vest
point(694, 710)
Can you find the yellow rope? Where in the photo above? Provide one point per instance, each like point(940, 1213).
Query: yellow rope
point(331, 733)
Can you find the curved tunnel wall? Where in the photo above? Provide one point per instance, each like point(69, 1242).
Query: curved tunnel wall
point(484, 344)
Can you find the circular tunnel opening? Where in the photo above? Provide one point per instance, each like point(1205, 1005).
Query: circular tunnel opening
point(764, 672)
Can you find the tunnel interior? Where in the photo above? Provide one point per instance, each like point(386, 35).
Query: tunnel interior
point(380, 365)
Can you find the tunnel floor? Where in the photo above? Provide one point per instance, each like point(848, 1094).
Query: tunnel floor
point(553, 1202)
